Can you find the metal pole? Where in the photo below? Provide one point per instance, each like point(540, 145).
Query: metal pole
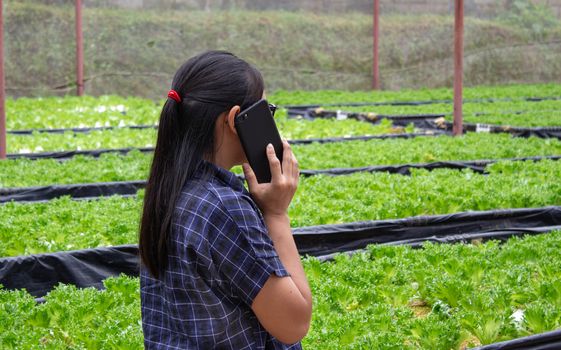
point(458, 67)
point(2, 89)
point(79, 50)
point(376, 36)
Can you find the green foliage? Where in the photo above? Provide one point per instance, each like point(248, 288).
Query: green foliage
point(422, 150)
point(80, 169)
point(355, 303)
point(480, 92)
point(384, 196)
point(335, 52)
point(72, 318)
point(69, 141)
point(292, 129)
point(80, 112)
point(538, 19)
point(63, 224)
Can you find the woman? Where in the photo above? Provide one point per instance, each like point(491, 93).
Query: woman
point(219, 269)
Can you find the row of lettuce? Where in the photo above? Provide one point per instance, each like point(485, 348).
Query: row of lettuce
point(65, 224)
point(72, 112)
point(135, 165)
point(387, 297)
point(125, 137)
point(546, 113)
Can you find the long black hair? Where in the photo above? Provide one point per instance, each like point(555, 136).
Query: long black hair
point(209, 84)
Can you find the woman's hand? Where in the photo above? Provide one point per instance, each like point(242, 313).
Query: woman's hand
point(274, 198)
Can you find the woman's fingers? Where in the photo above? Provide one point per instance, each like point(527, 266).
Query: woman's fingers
point(295, 169)
point(290, 164)
point(286, 158)
point(274, 164)
point(249, 176)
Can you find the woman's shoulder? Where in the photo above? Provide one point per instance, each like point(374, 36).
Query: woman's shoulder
point(237, 204)
point(210, 199)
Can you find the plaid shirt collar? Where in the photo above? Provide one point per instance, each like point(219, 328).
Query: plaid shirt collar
point(225, 176)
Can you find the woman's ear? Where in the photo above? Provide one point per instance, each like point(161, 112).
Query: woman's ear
point(230, 118)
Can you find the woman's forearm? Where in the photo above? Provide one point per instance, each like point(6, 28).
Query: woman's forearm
point(281, 235)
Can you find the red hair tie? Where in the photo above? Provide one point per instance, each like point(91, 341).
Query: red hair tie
point(174, 95)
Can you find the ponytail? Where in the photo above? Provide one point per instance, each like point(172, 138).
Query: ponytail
point(207, 85)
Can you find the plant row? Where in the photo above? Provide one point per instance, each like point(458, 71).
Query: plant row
point(72, 112)
point(514, 113)
point(125, 137)
point(390, 297)
point(319, 97)
point(75, 112)
point(64, 224)
point(135, 165)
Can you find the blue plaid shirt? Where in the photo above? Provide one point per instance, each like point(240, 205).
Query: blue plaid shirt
point(219, 257)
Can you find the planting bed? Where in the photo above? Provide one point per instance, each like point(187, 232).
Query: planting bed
point(514, 113)
point(423, 96)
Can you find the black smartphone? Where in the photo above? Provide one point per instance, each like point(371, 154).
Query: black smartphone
point(256, 129)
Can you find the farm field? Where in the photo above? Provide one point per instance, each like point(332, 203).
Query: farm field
point(440, 296)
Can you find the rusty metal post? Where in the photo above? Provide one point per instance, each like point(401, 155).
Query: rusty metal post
point(2, 89)
point(458, 66)
point(79, 50)
point(376, 37)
